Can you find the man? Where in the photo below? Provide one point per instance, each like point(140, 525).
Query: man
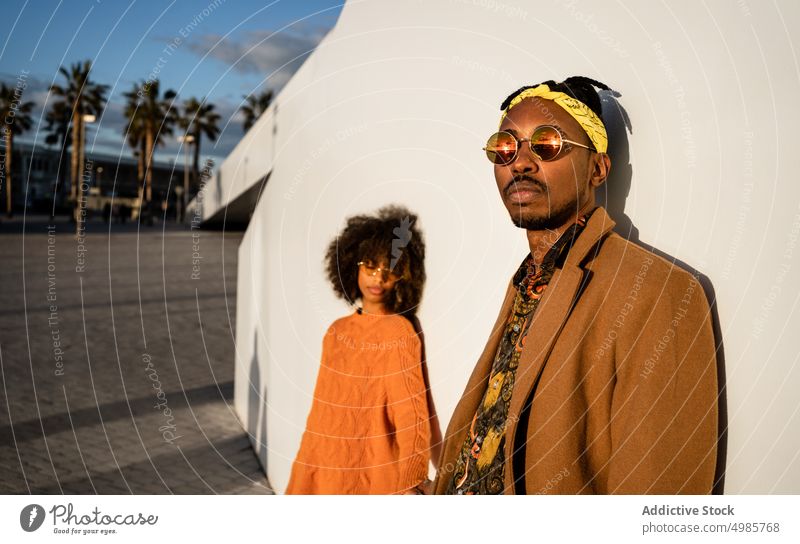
point(599, 375)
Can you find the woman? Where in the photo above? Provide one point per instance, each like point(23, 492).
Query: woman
point(369, 427)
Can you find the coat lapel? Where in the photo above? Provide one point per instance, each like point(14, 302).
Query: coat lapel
point(549, 319)
point(476, 386)
point(547, 322)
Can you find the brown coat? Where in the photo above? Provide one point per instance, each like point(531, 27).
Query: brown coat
point(620, 368)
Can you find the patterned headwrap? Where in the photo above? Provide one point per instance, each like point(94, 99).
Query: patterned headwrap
point(579, 111)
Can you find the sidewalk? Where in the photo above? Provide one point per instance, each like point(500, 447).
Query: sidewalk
point(117, 361)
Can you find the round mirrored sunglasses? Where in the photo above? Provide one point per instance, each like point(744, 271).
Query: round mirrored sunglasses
point(546, 143)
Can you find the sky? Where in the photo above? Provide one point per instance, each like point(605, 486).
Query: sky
point(222, 50)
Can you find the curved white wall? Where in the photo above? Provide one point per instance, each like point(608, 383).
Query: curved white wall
point(395, 105)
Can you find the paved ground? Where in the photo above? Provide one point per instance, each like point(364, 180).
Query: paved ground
point(117, 366)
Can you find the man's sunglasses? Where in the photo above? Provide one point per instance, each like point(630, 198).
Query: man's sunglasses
point(546, 143)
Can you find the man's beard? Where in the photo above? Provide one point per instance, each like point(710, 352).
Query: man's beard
point(550, 222)
point(553, 219)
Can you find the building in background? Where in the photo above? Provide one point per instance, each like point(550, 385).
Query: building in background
point(41, 182)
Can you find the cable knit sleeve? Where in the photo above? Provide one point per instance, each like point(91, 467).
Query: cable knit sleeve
point(408, 409)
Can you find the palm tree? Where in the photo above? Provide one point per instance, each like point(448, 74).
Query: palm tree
point(199, 118)
point(134, 134)
point(15, 115)
point(81, 96)
point(151, 117)
point(58, 134)
point(254, 106)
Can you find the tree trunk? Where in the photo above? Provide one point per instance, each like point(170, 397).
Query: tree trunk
point(62, 174)
point(74, 169)
point(149, 164)
point(140, 164)
point(140, 171)
point(196, 161)
point(77, 190)
point(9, 150)
point(80, 203)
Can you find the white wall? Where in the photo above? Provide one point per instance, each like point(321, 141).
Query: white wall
point(395, 105)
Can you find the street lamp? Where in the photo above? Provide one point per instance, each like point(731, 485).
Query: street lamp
point(185, 139)
point(178, 202)
point(85, 118)
point(78, 191)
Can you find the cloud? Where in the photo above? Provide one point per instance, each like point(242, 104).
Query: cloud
point(34, 90)
point(273, 55)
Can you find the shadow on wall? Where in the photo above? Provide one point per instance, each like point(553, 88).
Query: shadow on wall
point(613, 196)
point(257, 409)
point(218, 182)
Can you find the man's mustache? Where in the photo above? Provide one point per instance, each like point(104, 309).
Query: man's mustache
point(521, 181)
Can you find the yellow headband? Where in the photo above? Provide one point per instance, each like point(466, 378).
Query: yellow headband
point(579, 111)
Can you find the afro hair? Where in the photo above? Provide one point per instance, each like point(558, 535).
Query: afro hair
point(391, 237)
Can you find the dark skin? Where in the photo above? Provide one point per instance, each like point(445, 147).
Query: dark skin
point(375, 290)
point(545, 198)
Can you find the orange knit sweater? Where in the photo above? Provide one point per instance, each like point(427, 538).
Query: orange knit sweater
point(368, 431)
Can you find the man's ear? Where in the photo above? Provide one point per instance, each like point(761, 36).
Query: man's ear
point(600, 170)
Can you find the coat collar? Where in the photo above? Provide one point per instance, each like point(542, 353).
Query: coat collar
point(599, 224)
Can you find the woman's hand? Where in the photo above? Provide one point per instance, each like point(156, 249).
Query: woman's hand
point(423, 488)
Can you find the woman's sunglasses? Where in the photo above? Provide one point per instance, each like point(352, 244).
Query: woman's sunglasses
point(546, 143)
point(373, 270)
